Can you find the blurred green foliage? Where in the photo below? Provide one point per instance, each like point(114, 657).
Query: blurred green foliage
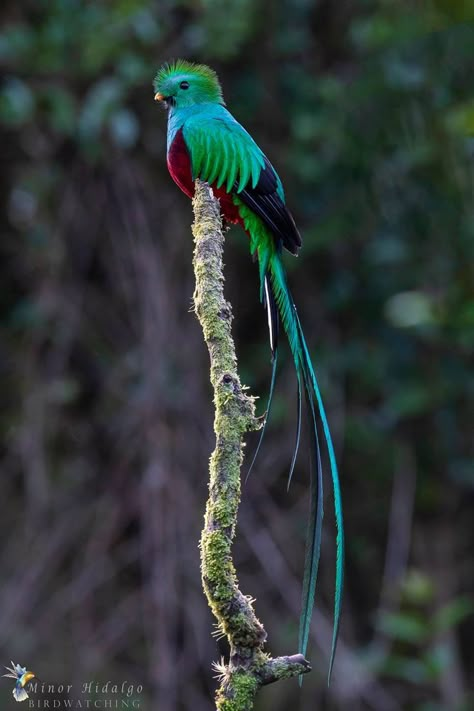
point(367, 111)
point(421, 651)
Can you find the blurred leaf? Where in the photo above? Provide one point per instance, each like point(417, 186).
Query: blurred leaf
point(437, 660)
point(16, 102)
point(15, 42)
point(98, 105)
point(411, 398)
point(404, 627)
point(460, 119)
point(453, 613)
point(417, 588)
point(407, 669)
point(62, 109)
point(124, 128)
point(239, 19)
point(410, 308)
point(133, 68)
point(456, 10)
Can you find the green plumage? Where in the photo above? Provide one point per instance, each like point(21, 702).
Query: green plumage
point(205, 141)
point(222, 152)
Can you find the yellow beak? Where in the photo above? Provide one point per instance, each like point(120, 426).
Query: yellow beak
point(159, 97)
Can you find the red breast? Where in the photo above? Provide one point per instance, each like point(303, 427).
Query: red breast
point(179, 166)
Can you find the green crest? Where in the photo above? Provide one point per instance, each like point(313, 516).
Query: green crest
point(187, 83)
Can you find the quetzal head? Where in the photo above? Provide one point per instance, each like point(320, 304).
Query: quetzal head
point(181, 84)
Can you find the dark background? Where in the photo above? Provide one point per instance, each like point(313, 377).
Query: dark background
point(367, 111)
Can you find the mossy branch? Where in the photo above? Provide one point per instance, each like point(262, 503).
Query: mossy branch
point(249, 667)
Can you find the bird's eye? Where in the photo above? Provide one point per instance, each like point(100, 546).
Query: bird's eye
point(184, 85)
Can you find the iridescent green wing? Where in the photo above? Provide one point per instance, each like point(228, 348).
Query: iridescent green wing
point(222, 152)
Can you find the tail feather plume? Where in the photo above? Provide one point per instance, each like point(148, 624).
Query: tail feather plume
point(275, 278)
point(276, 296)
point(314, 534)
point(298, 432)
point(267, 412)
point(336, 495)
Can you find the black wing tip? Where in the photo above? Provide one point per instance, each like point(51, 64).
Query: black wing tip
point(293, 237)
point(266, 202)
point(293, 244)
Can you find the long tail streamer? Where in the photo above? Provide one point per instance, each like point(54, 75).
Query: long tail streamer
point(275, 290)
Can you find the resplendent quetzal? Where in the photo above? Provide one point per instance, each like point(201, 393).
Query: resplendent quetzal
point(206, 142)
